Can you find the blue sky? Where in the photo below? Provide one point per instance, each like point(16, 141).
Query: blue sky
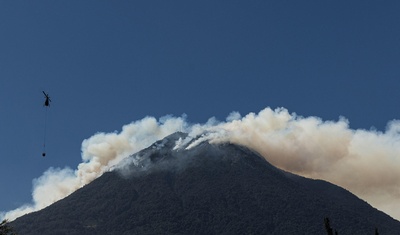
point(108, 63)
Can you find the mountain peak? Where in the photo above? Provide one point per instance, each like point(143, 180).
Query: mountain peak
point(204, 189)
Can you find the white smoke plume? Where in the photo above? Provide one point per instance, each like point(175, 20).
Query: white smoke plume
point(365, 162)
point(99, 153)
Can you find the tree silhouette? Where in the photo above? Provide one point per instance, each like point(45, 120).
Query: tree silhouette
point(328, 228)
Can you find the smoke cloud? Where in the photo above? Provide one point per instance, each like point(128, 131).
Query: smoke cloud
point(99, 153)
point(365, 162)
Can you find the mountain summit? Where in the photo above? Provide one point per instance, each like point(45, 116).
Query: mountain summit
point(181, 185)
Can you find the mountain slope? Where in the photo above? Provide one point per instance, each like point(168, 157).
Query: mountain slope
point(208, 189)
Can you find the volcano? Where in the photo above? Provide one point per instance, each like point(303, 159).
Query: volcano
point(181, 185)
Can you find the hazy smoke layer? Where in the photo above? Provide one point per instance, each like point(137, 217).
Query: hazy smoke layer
point(366, 163)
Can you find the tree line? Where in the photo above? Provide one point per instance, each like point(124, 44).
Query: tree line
point(331, 231)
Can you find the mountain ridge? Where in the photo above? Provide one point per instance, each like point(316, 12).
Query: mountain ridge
point(206, 189)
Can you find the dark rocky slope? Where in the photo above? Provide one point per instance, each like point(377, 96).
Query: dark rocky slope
point(209, 189)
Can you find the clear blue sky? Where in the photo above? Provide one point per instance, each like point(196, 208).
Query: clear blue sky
point(108, 63)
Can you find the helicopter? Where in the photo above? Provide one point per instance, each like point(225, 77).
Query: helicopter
point(48, 100)
point(47, 105)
